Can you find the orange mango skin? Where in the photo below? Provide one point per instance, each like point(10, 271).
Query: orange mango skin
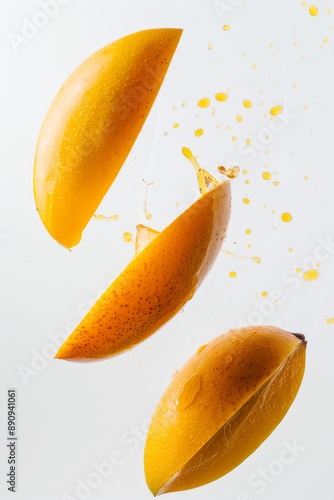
point(157, 282)
point(237, 407)
point(92, 125)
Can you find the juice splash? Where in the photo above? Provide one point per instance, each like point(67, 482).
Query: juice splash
point(204, 178)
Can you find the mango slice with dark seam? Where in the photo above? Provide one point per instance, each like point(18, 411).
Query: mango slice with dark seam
point(246, 381)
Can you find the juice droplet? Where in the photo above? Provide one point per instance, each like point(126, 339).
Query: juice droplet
point(246, 201)
point(313, 10)
point(176, 125)
point(247, 103)
point(128, 237)
point(276, 183)
point(200, 349)
point(203, 177)
point(104, 217)
point(276, 110)
point(204, 102)
point(266, 176)
point(286, 217)
point(234, 138)
point(298, 270)
point(248, 231)
point(229, 359)
point(245, 172)
point(290, 249)
point(189, 392)
point(146, 212)
point(304, 4)
point(226, 27)
point(221, 96)
point(310, 275)
point(248, 141)
point(239, 118)
point(326, 40)
point(232, 274)
point(264, 294)
point(144, 236)
point(231, 173)
point(199, 132)
point(254, 259)
point(330, 321)
point(254, 66)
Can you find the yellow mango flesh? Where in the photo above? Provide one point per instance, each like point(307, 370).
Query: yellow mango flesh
point(92, 125)
point(246, 381)
point(157, 282)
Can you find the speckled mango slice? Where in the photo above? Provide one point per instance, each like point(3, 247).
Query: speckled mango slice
point(221, 406)
point(92, 125)
point(157, 282)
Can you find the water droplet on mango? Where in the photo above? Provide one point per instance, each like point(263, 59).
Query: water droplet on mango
point(188, 393)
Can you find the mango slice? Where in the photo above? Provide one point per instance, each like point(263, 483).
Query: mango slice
point(92, 125)
point(157, 282)
point(220, 407)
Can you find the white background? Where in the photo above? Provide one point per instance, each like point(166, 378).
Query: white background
point(70, 415)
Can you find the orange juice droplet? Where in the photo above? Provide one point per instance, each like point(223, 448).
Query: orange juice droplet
point(313, 10)
point(204, 102)
point(310, 275)
point(247, 103)
point(128, 237)
point(239, 118)
point(200, 349)
point(105, 217)
point(231, 173)
point(189, 392)
point(226, 27)
point(286, 217)
point(276, 110)
point(232, 274)
point(256, 259)
point(246, 201)
point(248, 231)
point(199, 132)
point(264, 294)
point(266, 176)
point(176, 125)
point(204, 178)
point(221, 96)
point(330, 321)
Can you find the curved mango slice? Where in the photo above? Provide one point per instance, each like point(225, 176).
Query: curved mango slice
point(157, 282)
point(221, 406)
point(92, 125)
